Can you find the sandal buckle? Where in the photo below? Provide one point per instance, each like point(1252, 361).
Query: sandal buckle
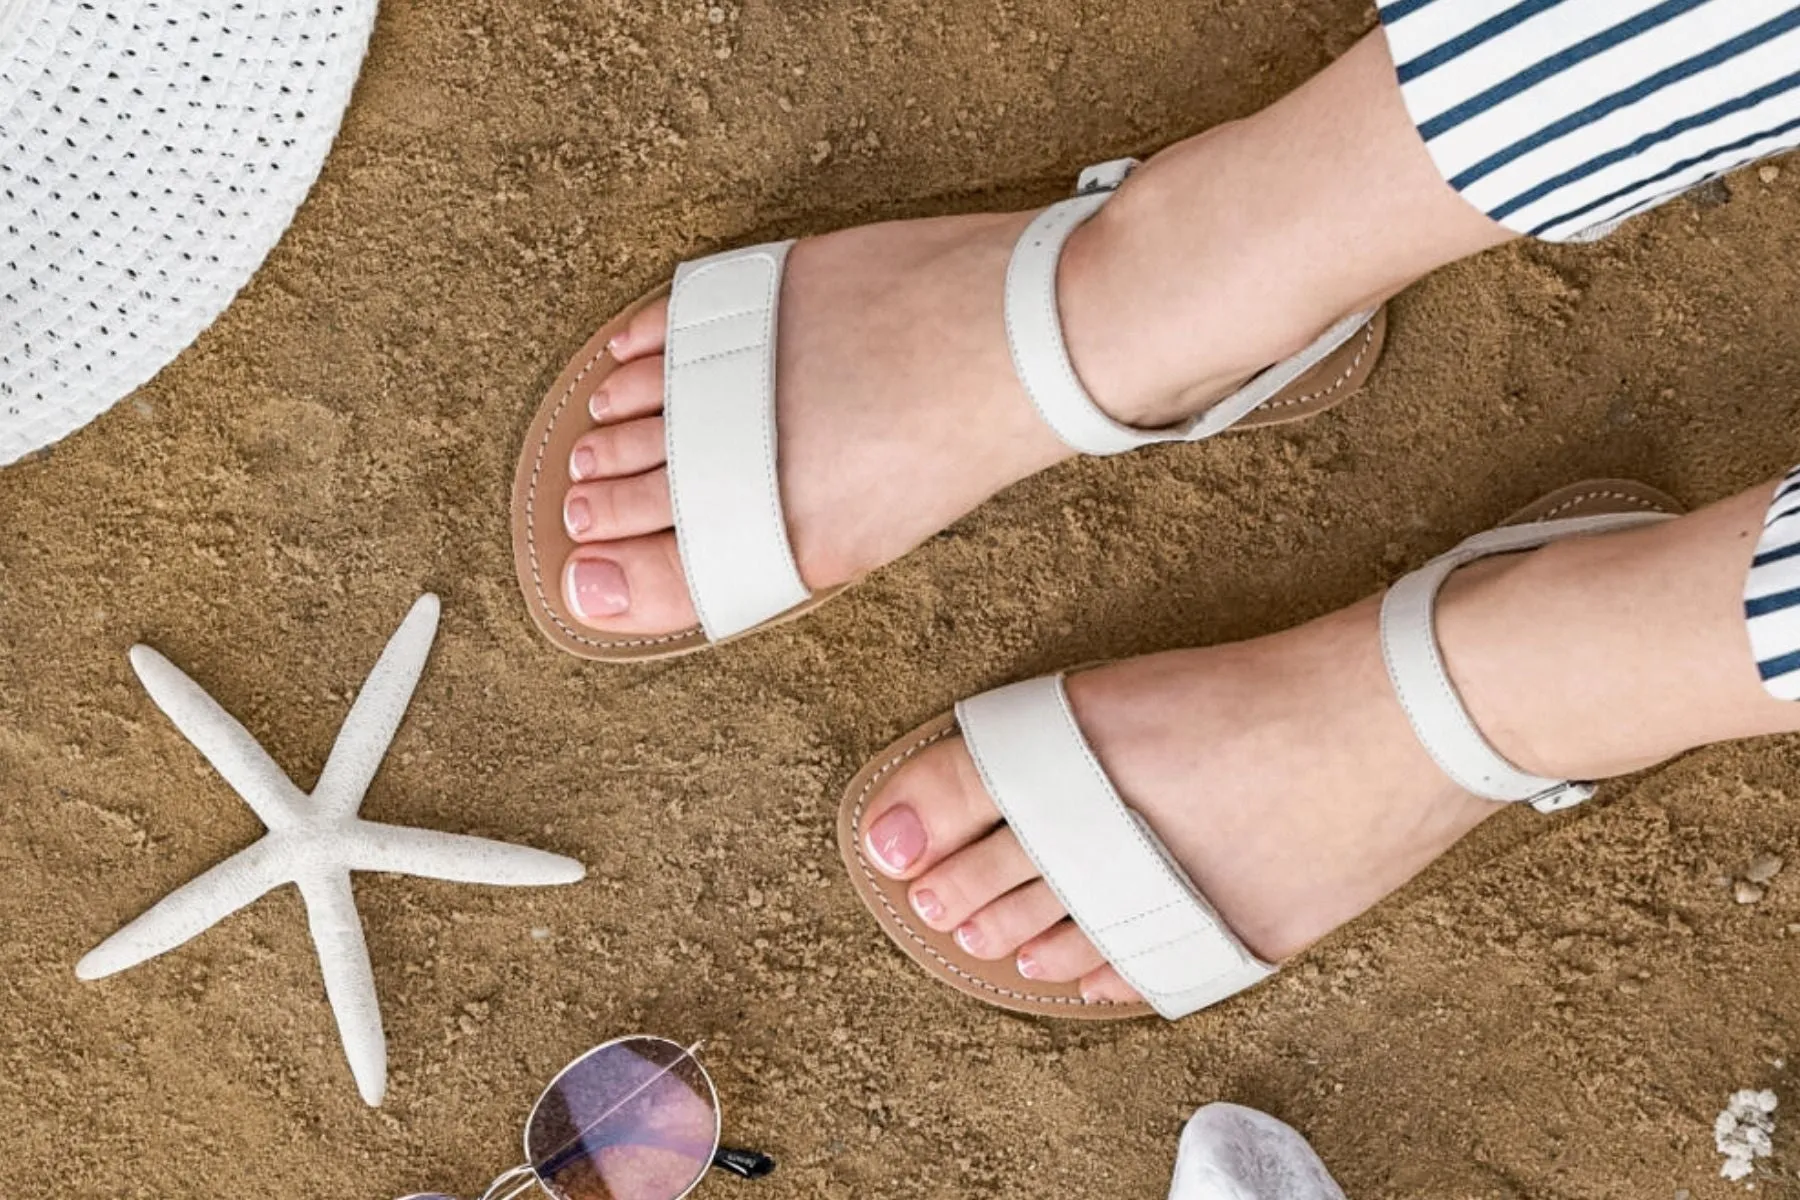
point(1563, 795)
point(1104, 177)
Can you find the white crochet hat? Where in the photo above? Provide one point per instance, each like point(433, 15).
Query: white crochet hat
point(151, 154)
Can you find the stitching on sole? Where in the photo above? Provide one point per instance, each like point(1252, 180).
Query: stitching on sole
point(1362, 352)
point(1584, 497)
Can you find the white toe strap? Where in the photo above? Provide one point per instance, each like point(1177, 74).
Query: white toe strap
point(719, 426)
point(1041, 357)
point(1416, 666)
point(1115, 878)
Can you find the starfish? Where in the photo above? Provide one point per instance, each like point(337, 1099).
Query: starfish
point(315, 841)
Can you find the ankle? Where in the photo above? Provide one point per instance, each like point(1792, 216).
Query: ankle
point(1146, 302)
point(1181, 287)
point(1532, 641)
point(1230, 251)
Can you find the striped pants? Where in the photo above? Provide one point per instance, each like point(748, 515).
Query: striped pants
point(1562, 118)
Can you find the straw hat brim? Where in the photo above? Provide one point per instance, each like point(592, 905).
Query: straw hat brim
point(152, 152)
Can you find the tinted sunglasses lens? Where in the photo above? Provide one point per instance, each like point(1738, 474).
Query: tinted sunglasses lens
point(636, 1120)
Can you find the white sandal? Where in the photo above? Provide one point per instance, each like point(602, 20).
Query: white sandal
point(719, 415)
point(1114, 876)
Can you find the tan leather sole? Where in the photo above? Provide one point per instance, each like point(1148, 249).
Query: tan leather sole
point(999, 983)
point(541, 544)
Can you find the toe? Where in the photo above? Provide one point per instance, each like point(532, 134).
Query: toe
point(1062, 955)
point(630, 391)
point(643, 334)
point(970, 880)
point(612, 509)
point(930, 808)
point(630, 586)
point(1107, 984)
point(610, 451)
point(998, 930)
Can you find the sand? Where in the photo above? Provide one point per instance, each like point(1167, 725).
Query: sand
point(1558, 1009)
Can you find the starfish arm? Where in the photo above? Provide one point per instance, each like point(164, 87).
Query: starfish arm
point(227, 745)
point(349, 979)
point(195, 906)
point(375, 717)
point(456, 857)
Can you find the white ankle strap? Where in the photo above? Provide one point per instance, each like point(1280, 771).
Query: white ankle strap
point(1416, 665)
point(1041, 357)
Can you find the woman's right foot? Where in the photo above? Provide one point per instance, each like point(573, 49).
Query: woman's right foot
point(898, 409)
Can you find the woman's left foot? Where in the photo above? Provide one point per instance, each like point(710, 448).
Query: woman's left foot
point(1286, 778)
point(1281, 773)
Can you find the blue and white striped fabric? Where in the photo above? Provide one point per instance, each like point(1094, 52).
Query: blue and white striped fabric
point(1772, 593)
point(1560, 118)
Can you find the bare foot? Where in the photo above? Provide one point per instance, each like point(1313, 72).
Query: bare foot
point(898, 413)
point(1285, 777)
point(1293, 806)
point(898, 409)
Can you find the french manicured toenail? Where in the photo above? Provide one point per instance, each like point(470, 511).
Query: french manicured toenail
point(615, 345)
point(969, 938)
point(583, 464)
point(926, 903)
point(897, 839)
point(578, 516)
point(1090, 993)
point(1028, 966)
point(599, 404)
point(597, 588)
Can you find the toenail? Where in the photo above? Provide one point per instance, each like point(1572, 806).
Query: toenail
point(1090, 993)
point(597, 588)
point(578, 516)
point(897, 839)
point(583, 464)
point(969, 938)
point(615, 345)
point(926, 903)
point(1028, 966)
point(599, 404)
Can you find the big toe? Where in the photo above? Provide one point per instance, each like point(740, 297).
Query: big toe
point(932, 807)
point(632, 586)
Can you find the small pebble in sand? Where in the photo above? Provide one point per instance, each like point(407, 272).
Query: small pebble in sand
point(1769, 174)
point(1763, 868)
point(540, 934)
point(1747, 892)
point(820, 152)
point(1743, 1131)
point(1711, 194)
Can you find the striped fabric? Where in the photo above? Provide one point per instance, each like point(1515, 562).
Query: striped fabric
point(1560, 118)
point(1772, 593)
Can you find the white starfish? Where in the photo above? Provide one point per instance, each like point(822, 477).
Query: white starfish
point(315, 841)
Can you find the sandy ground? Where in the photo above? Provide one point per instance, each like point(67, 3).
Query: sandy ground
point(1556, 1010)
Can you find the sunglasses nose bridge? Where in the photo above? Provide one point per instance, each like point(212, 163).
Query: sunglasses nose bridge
point(512, 1184)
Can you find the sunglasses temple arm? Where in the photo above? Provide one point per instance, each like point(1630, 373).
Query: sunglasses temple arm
point(745, 1164)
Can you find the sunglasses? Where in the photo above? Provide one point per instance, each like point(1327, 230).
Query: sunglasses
point(636, 1118)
